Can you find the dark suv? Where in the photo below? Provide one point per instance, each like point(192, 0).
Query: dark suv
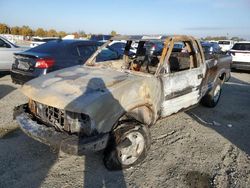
point(54, 55)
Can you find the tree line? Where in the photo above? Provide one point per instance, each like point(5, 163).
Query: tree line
point(27, 31)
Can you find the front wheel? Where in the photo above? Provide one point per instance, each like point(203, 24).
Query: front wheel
point(212, 98)
point(128, 146)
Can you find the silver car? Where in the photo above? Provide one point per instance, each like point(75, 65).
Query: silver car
point(6, 53)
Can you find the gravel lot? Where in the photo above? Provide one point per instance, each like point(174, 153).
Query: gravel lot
point(199, 148)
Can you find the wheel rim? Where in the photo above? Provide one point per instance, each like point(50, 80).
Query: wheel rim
point(217, 93)
point(129, 154)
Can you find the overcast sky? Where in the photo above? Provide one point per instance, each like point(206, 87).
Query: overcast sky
point(196, 17)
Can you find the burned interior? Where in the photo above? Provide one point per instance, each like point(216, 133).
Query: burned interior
point(183, 54)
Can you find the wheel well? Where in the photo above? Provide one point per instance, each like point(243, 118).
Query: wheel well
point(142, 114)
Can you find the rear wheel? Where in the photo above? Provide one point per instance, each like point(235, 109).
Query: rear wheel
point(128, 146)
point(212, 98)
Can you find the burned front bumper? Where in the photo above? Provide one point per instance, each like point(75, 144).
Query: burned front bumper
point(68, 143)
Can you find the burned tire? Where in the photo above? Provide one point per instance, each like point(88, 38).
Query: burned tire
point(128, 146)
point(212, 98)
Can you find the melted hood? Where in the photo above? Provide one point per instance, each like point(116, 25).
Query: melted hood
point(61, 87)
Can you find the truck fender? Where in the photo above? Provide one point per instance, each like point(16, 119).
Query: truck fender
point(141, 113)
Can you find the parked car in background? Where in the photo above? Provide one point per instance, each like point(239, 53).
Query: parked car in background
point(100, 38)
point(108, 54)
point(36, 41)
point(119, 47)
point(10, 37)
point(178, 46)
point(241, 55)
point(213, 41)
point(6, 53)
point(211, 47)
point(54, 55)
point(226, 45)
point(156, 47)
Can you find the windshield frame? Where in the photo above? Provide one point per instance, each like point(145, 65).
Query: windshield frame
point(167, 50)
point(92, 60)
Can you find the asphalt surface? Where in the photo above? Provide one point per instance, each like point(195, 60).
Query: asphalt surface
point(203, 147)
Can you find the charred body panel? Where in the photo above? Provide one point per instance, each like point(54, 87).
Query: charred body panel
point(181, 91)
point(93, 90)
point(87, 101)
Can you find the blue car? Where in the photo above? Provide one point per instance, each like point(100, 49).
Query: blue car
point(55, 55)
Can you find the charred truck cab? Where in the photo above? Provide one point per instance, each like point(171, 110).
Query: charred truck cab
point(111, 105)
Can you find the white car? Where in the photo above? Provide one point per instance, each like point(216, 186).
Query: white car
point(41, 40)
point(241, 55)
point(7, 49)
point(226, 45)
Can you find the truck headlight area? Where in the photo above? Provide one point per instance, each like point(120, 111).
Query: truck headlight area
point(62, 120)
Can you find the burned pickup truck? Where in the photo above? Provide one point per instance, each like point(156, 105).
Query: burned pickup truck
point(110, 106)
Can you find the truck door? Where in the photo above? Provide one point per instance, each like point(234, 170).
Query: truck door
point(182, 76)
